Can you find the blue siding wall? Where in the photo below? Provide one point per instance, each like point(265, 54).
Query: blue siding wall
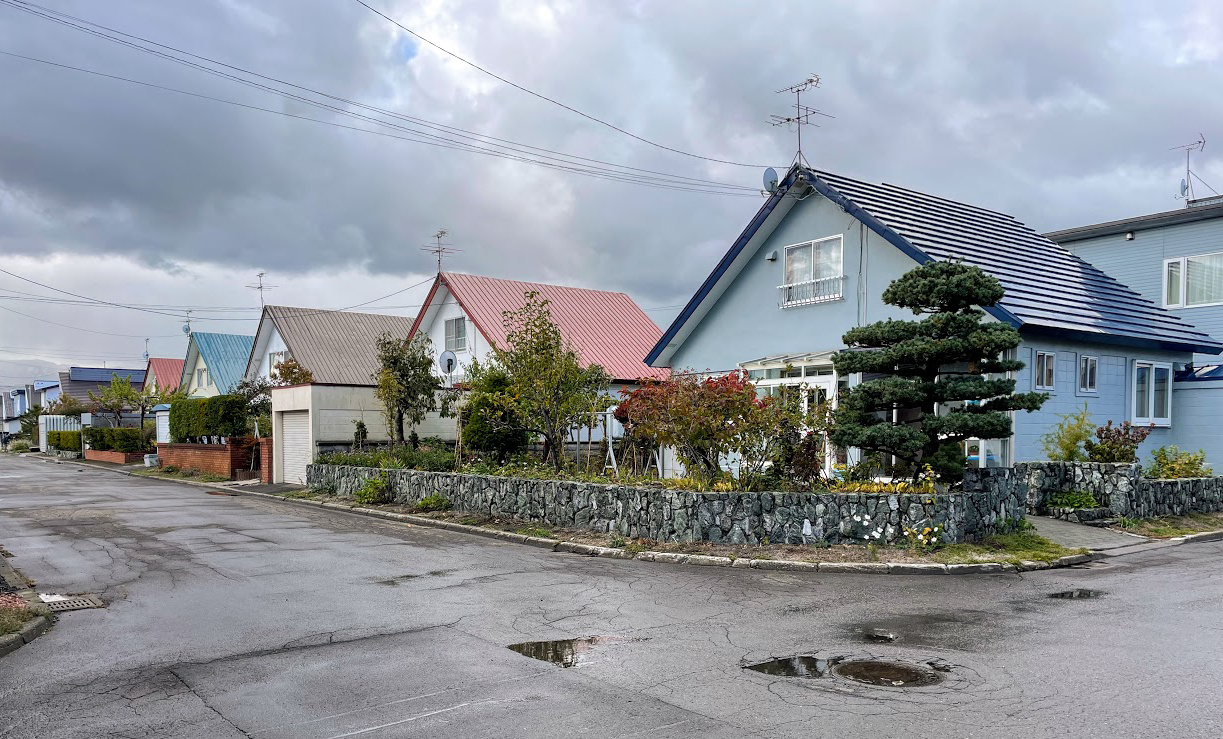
point(746, 322)
point(1110, 402)
point(1139, 264)
point(1196, 419)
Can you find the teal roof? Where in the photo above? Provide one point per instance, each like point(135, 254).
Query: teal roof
point(224, 355)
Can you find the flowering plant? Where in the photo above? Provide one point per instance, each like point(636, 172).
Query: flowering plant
point(925, 539)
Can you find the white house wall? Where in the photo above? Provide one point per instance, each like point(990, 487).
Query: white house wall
point(447, 308)
point(266, 343)
point(194, 389)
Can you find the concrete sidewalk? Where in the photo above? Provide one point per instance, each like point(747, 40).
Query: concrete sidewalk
point(1074, 535)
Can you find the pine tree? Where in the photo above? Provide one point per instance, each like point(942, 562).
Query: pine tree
point(944, 358)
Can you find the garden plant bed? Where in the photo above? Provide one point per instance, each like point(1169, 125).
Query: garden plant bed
point(1020, 550)
point(1170, 527)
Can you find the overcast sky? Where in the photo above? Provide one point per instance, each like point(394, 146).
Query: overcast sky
point(1060, 115)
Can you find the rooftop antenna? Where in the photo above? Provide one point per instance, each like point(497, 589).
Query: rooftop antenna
point(261, 287)
point(802, 114)
point(146, 350)
point(187, 325)
point(1186, 190)
point(439, 248)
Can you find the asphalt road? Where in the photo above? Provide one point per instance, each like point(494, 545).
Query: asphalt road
point(245, 617)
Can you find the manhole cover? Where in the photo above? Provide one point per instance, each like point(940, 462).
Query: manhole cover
point(889, 674)
point(72, 603)
point(800, 666)
point(1077, 593)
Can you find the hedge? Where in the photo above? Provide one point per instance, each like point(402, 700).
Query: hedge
point(196, 419)
point(68, 441)
point(119, 440)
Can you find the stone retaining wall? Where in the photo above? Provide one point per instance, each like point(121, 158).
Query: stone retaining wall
point(1121, 488)
point(671, 515)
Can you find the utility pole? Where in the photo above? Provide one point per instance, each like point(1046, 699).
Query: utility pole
point(802, 114)
point(261, 287)
point(439, 248)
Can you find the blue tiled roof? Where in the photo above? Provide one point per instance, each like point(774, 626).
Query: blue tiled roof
point(1047, 287)
point(225, 356)
point(103, 374)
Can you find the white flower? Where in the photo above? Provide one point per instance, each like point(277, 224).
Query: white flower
point(857, 518)
point(876, 534)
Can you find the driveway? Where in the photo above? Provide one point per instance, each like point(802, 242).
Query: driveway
point(244, 617)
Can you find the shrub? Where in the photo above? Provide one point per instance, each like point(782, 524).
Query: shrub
point(1065, 441)
point(425, 458)
point(99, 439)
point(19, 445)
point(120, 440)
point(169, 468)
point(1073, 499)
point(433, 502)
point(1169, 462)
point(194, 419)
point(925, 539)
point(375, 491)
point(1117, 443)
point(488, 425)
point(68, 441)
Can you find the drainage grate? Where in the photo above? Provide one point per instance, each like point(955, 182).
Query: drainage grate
point(76, 603)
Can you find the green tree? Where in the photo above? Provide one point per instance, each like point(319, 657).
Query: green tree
point(116, 399)
point(406, 385)
point(943, 360)
point(257, 393)
point(29, 422)
point(550, 392)
point(488, 426)
point(289, 372)
point(66, 405)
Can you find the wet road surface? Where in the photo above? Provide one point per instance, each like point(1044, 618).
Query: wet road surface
point(244, 617)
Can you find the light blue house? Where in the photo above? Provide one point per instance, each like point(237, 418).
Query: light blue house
point(1174, 259)
point(815, 260)
point(215, 363)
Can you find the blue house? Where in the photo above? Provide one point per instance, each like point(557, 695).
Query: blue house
point(1174, 259)
point(814, 262)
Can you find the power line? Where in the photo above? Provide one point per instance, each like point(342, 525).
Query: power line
point(85, 297)
point(48, 13)
point(570, 108)
point(666, 181)
point(88, 330)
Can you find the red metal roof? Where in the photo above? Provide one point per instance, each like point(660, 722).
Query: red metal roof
point(605, 328)
point(167, 372)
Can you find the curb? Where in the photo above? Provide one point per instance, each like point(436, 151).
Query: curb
point(33, 628)
point(699, 560)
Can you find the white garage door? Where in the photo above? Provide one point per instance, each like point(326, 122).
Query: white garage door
point(295, 445)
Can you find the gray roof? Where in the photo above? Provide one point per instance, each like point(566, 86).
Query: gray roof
point(1209, 208)
point(78, 389)
point(339, 348)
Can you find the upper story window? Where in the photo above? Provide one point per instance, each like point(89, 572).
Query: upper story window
point(1152, 393)
point(1046, 363)
point(1193, 281)
point(275, 358)
point(456, 334)
point(201, 378)
point(814, 272)
point(1089, 369)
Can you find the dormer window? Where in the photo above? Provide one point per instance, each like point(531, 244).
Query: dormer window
point(813, 272)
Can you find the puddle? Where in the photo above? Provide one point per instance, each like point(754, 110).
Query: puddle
point(1077, 594)
point(564, 652)
point(887, 674)
point(800, 666)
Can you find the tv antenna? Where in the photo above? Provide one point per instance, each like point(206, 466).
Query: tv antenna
point(439, 248)
point(261, 287)
point(802, 113)
point(187, 325)
point(146, 350)
point(1186, 190)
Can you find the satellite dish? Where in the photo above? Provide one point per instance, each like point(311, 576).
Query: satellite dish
point(447, 362)
point(1184, 187)
point(770, 180)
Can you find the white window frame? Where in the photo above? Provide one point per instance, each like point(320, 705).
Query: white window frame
point(201, 377)
point(1050, 365)
point(1147, 416)
point(1183, 281)
point(275, 358)
point(791, 293)
point(454, 342)
point(1094, 375)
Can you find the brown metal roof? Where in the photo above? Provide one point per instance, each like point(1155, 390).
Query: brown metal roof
point(338, 348)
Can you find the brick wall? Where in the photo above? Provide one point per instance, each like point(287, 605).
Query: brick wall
point(113, 457)
point(265, 460)
point(215, 459)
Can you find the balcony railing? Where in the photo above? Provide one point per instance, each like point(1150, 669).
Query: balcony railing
point(810, 291)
